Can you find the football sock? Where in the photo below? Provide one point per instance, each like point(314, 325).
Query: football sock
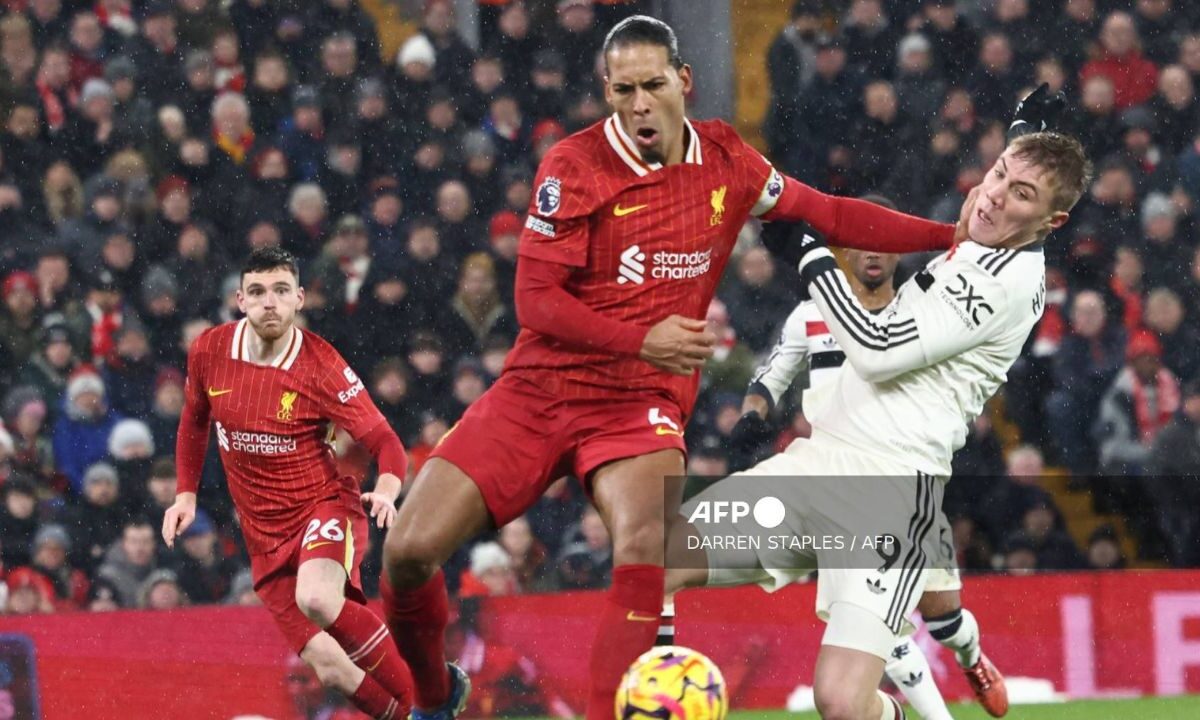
point(958, 631)
point(418, 619)
point(366, 640)
point(909, 669)
point(627, 628)
point(891, 707)
point(666, 624)
point(372, 699)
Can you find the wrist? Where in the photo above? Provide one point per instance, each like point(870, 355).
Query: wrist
point(185, 499)
point(389, 486)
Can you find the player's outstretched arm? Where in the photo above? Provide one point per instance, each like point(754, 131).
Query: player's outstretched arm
point(389, 455)
point(859, 224)
point(190, 445)
point(926, 332)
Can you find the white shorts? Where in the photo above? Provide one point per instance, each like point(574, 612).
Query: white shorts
point(867, 492)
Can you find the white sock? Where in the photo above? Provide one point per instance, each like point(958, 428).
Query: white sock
point(959, 632)
point(909, 669)
point(666, 624)
point(891, 708)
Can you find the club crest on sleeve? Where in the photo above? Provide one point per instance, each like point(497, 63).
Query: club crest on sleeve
point(549, 196)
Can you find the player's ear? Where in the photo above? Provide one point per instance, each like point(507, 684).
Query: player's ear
point(685, 77)
point(300, 298)
point(1058, 219)
point(241, 301)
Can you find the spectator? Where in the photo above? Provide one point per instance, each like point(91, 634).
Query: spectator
point(529, 558)
point(1163, 250)
point(1090, 356)
point(955, 43)
point(161, 591)
point(1053, 547)
point(1104, 549)
point(791, 67)
point(452, 55)
point(1140, 401)
point(585, 561)
point(95, 518)
point(102, 597)
point(24, 415)
point(129, 378)
point(476, 311)
point(48, 370)
point(1176, 109)
point(19, 317)
point(871, 38)
point(389, 390)
point(28, 593)
point(756, 300)
point(1157, 28)
point(491, 573)
point(1121, 61)
point(995, 80)
point(1166, 317)
point(50, 548)
point(130, 561)
point(204, 576)
point(267, 94)
point(1176, 455)
point(918, 87)
point(160, 490)
point(81, 433)
point(732, 363)
point(18, 521)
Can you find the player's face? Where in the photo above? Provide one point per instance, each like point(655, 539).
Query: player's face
point(270, 301)
point(871, 268)
point(1013, 207)
point(647, 94)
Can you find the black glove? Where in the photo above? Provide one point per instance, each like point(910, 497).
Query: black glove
point(789, 246)
point(750, 431)
point(1037, 112)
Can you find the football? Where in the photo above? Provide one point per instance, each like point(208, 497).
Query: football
point(672, 683)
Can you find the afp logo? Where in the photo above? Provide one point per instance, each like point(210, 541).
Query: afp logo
point(768, 511)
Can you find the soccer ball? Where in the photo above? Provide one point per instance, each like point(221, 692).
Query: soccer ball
point(672, 683)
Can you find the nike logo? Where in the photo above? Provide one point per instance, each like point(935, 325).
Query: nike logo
point(312, 545)
point(377, 662)
point(215, 393)
point(622, 212)
point(633, 615)
point(660, 430)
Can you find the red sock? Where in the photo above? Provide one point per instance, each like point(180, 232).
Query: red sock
point(365, 639)
point(371, 698)
point(626, 630)
point(418, 619)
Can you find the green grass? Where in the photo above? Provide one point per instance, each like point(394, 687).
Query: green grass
point(1175, 708)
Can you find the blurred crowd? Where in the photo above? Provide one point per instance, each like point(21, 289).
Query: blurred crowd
point(147, 146)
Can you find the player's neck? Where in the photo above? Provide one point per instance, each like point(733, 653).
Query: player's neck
point(874, 299)
point(263, 351)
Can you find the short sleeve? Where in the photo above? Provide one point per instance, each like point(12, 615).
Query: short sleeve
point(556, 227)
point(344, 397)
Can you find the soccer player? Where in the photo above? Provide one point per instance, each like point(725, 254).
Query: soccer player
point(917, 374)
point(630, 227)
point(274, 392)
point(807, 347)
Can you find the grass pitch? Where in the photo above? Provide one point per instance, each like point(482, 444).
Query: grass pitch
point(1186, 707)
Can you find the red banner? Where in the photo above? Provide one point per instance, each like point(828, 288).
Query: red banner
point(1092, 635)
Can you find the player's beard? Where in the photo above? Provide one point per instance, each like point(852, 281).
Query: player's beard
point(271, 329)
point(873, 284)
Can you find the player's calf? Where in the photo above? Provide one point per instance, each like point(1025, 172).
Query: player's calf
point(332, 666)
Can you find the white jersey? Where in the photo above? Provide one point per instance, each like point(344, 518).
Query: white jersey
point(922, 369)
point(805, 348)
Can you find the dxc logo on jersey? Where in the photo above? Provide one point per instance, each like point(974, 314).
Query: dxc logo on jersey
point(973, 303)
point(768, 511)
point(632, 269)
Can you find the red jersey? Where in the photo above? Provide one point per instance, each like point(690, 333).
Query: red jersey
point(273, 425)
point(647, 242)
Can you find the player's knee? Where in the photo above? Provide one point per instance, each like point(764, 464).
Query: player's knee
point(639, 544)
point(329, 671)
point(838, 702)
point(410, 561)
point(321, 607)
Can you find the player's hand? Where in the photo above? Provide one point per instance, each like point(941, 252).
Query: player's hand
point(964, 216)
point(750, 432)
point(178, 517)
point(380, 507)
point(780, 239)
point(678, 345)
point(1037, 112)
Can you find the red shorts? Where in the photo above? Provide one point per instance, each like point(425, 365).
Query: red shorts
point(517, 439)
point(336, 529)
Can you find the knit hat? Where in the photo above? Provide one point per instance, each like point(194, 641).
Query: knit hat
point(120, 68)
point(54, 334)
point(52, 533)
point(19, 280)
point(1142, 343)
point(370, 87)
point(505, 222)
point(100, 472)
point(17, 399)
point(417, 49)
point(477, 143)
point(83, 382)
point(913, 42)
point(127, 435)
point(95, 88)
point(1155, 206)
point(158, 282)
point(489, 556)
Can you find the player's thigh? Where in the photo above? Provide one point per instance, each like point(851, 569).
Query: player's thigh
point(320, 581)
point(634, 496)
point(442, 510)
point(336, 533)
point(276, 587)
point(936, 603)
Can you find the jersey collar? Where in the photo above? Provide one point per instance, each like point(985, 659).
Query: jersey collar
point(240, 347)
point(626, 148)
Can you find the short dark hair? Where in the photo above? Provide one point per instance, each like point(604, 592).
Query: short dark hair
point(644, 30)
point(270, 258)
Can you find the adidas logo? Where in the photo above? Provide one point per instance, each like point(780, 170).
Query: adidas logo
point(913, 679)
point(632, 268)
point(876, 586)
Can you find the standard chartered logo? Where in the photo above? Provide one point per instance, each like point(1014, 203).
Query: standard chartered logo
point(768, 511)
point(632, 269)
point(222, 437)
point(254, 443)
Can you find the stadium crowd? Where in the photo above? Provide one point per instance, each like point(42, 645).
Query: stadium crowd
point(147, 146)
